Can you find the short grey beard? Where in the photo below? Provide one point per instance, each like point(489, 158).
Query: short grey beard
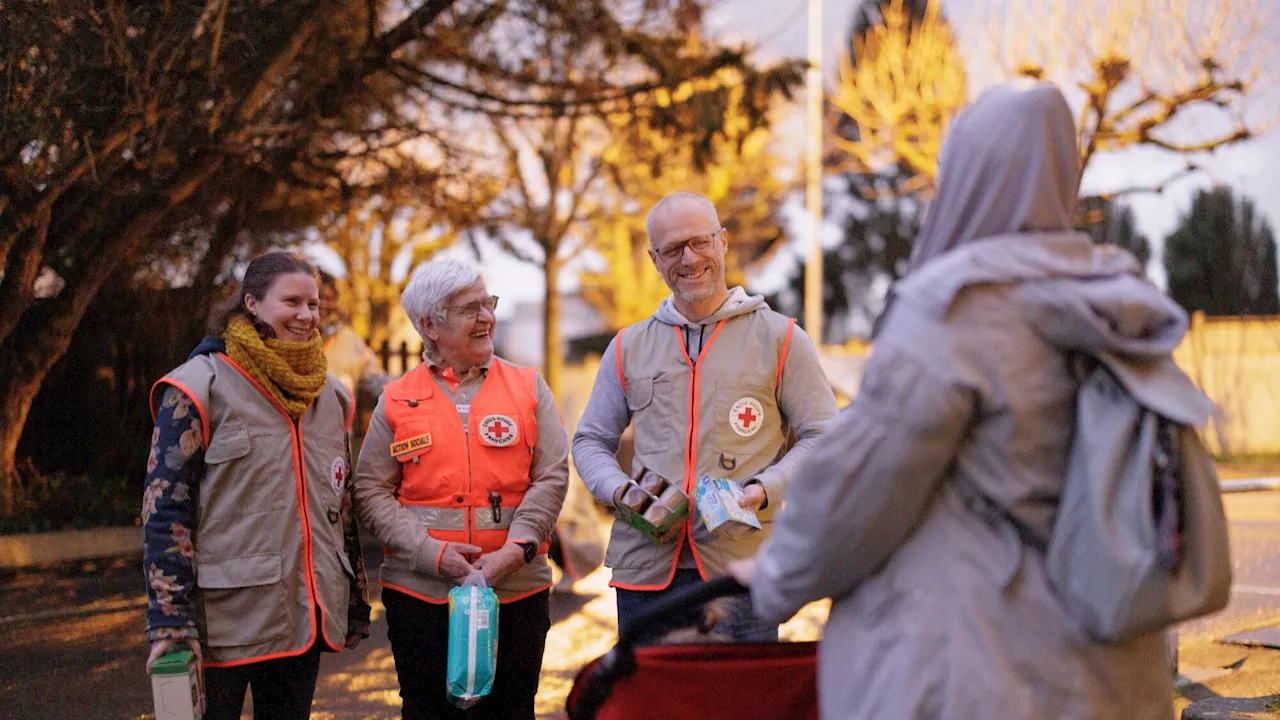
point(698, 295)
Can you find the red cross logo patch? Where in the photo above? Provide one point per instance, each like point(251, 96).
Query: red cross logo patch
point(498, 430)
point(746, 416)
point(338, 473)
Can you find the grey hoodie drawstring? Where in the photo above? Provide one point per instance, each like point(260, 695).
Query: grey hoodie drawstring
point(693, 356)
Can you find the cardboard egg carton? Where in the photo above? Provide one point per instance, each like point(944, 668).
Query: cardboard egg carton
point(653, 505)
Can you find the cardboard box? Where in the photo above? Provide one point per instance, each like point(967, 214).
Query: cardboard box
point(717, 500)
point(177, 686)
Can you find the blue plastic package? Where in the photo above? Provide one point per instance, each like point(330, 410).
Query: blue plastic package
point(473, 641)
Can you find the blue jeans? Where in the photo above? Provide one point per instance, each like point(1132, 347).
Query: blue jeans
point(744, 626)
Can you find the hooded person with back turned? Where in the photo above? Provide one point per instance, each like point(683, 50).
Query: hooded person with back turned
point(938, 609)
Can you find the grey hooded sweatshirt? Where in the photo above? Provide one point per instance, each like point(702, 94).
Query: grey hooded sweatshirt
point(717, 397)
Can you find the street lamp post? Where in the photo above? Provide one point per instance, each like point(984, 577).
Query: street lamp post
point(813, 190)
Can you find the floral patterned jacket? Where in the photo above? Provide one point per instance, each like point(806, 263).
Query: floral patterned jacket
point(169, 518)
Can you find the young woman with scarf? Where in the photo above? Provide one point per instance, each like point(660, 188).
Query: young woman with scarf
point(250, 544)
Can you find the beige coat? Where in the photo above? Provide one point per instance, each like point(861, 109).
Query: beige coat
point(936, 612)
point(269, 532)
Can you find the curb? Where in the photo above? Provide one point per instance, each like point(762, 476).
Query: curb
point(19, 551)
point(1225, 708)
point(1256, 484)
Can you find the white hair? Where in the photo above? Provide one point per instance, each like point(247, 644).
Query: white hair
point(677, 198)
point(431, 286)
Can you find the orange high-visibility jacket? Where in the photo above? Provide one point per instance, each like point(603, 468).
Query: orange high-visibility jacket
point(465, 485)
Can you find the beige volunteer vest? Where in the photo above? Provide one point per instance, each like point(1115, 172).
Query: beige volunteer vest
point(717, 414)
point(269, 541)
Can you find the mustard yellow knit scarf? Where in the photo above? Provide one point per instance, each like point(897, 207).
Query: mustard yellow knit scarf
point(291, 372)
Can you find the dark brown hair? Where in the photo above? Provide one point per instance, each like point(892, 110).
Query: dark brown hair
point(258, 279)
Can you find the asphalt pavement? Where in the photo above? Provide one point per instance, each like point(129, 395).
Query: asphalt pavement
point(71, 642)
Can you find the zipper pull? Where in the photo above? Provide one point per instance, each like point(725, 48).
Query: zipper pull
point(496, 501)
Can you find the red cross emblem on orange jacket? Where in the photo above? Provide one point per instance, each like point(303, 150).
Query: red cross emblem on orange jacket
point(498, 430)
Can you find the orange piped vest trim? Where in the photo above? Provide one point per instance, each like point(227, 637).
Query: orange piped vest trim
point(480, 473)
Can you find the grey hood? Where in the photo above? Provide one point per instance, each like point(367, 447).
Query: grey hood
point(1078, 297)
point(1009, 164)
point(738, 303)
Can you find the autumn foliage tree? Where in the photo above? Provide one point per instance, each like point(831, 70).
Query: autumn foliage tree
point(143, 132)
point(1182, 76)
point(899, 86)
point(641, 165)
point(901, 82)
point(545, 94)
point(115, 115)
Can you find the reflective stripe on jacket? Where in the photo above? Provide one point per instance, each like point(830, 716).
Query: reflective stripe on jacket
point(464, 484)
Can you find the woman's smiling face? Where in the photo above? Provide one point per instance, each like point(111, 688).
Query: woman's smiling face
point(291, 306)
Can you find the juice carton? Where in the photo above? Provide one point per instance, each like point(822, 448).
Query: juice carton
point(717, 501)
point(177, 686)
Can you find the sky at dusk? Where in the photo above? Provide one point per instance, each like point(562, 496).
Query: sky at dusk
point(779, 29)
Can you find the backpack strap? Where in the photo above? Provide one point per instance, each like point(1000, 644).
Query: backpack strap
point(995, 514)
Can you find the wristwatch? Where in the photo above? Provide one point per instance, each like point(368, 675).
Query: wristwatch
point(530, 550)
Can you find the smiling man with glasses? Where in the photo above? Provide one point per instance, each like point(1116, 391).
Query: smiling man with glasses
point(702, 383)
point(465, 468)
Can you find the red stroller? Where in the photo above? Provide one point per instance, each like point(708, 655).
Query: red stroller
point(762, 681)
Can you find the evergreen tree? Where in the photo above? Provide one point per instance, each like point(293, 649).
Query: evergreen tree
point(1111, 223)
point(1222, 258)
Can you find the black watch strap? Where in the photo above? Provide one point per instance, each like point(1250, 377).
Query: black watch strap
point(530, 551)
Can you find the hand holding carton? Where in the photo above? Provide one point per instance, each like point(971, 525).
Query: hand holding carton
point(653, 505)
point(717, 500)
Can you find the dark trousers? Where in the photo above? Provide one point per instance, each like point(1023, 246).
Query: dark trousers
point(419, 634)
point(282, 689)
point(743, 626)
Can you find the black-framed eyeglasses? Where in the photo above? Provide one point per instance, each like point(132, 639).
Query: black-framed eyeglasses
point(700, 244)
point(472, 309)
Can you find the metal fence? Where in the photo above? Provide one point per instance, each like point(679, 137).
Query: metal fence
point(399, 358)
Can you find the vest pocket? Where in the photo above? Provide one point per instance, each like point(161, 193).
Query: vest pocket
point(629, 549)
point(230, 441)
point(244, 601)
point(241, 481)
point(747, 429)
point(649, 400)
point(412, 440)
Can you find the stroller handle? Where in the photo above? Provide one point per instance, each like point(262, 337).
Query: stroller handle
point(679, 601)
point(621, 660)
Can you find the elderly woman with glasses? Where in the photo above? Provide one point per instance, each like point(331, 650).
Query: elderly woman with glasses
point(464, 468)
